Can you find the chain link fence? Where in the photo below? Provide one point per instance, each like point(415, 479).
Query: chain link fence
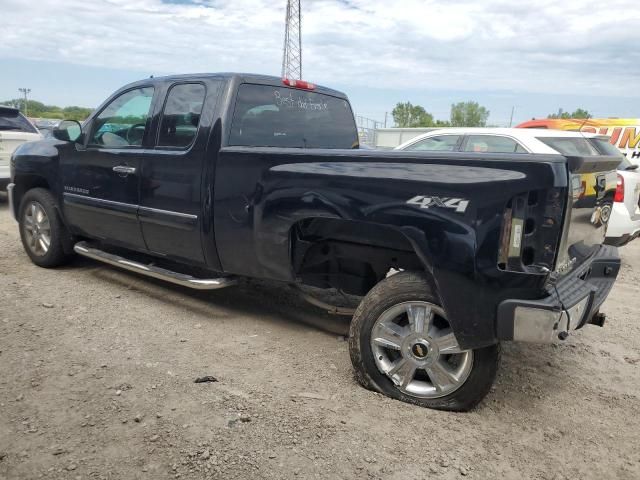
point(367, 129)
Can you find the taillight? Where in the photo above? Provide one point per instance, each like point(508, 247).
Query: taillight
point(301, 84)
point(619, 196)
point(531, 230)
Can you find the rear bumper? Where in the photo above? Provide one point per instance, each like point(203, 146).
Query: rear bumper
point(575, 301)
point(623, 240)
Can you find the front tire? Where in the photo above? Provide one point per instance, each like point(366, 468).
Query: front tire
point(402, 345)
point(44, 236)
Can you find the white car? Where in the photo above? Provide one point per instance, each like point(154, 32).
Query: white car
point(624, 222)
point(15, 129)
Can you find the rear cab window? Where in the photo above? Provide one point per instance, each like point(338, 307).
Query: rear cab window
point(13, 120)
point(268, 116)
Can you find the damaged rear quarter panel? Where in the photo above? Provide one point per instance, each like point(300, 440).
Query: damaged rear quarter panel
point(260, 193)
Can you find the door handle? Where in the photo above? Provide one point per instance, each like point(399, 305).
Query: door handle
point(124, 170)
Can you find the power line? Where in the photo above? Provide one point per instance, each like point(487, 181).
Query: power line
point(292, 51)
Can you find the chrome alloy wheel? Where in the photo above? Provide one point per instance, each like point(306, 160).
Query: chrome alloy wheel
point(37, 229)
point(414, 346)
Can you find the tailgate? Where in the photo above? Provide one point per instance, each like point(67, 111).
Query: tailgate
point(592, 189)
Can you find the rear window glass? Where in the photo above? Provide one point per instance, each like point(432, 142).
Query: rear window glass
point(15, 121)
point(575, 146)
point(603, 145)
point(267, 116)
point(606, 148)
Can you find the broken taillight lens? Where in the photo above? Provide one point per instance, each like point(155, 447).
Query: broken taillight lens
point(531, 229)
point(619, 196)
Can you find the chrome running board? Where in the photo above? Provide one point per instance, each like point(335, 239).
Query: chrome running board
point(84, 249)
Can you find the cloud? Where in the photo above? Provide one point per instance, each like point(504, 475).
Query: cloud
point(541, 46)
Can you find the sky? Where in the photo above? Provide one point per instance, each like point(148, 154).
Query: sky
point(535, 56)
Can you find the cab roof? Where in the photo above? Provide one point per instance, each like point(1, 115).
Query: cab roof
point(230, 76)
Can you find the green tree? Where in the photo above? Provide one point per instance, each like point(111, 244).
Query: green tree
point(579, 113)
point(406, 115)
point(37, 109)
point(468, 114)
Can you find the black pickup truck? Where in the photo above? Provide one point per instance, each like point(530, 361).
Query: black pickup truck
point(203, 180)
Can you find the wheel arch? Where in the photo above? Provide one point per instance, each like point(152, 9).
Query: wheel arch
point(25, 182)
point(353, 255)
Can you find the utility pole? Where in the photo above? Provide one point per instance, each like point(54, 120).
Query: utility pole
point(292, 51)
point(385, 119)
point(513, 110)
point(25, 91)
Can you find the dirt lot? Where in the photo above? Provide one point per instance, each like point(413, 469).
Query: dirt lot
point(97, 381)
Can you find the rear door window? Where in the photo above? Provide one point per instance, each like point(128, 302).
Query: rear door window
point(267, 116)
point(440, 143)
point(181, 115)
point(12, 120)
point(492, 144)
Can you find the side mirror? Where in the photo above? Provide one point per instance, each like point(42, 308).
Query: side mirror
point(68, 131)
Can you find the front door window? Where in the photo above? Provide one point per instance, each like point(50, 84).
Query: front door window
point(124, 121)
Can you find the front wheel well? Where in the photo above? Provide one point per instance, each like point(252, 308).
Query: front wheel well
point(24, 183)
point(350, 256)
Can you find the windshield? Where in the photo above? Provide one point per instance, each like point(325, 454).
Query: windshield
point(14, 120)
point(267, 116)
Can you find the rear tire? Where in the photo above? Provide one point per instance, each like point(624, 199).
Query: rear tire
point(44, 237)
point(401, 345)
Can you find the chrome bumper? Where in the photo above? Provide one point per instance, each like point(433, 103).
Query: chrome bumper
point(572, 303)
point(12, 203)
point(536, 325)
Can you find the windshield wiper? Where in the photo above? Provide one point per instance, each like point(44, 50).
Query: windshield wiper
point(7, 127)
point(632, 167)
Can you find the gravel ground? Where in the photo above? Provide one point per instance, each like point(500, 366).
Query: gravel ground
point(98, 369)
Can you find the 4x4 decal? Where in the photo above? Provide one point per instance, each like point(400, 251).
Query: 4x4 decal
point(458, 204)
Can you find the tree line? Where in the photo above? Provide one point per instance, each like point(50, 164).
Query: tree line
point(463, 114)
point(37, 109)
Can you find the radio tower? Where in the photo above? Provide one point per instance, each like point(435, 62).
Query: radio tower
point(292, 56)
